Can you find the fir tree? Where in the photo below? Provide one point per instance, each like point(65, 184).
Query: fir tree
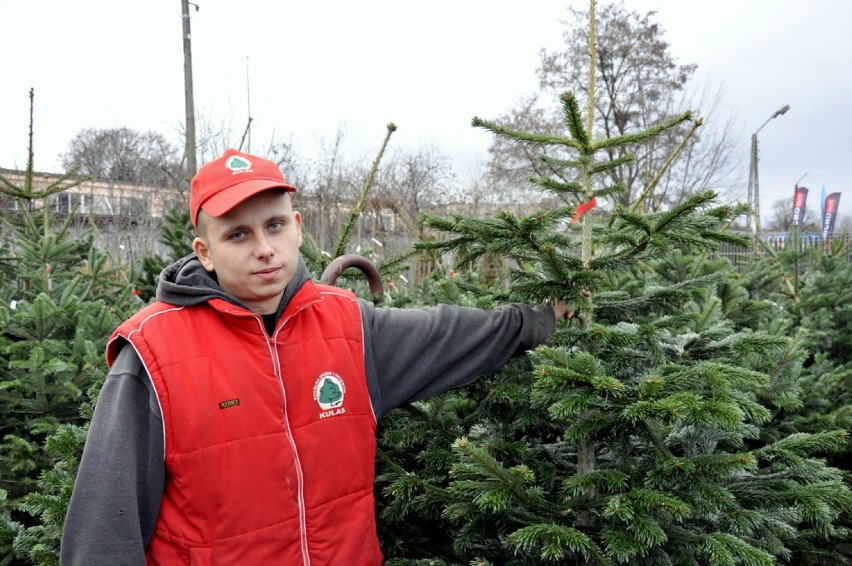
point(176, 236)
point(825, 307)
point(809, 293)
point(634, 436)
point(59, 301)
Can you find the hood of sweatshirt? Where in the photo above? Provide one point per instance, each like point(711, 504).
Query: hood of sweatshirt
point(186, 283)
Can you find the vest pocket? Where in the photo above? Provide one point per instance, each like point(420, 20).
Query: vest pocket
point(200, 556)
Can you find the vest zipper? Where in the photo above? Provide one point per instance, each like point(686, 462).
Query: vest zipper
point(276, 364)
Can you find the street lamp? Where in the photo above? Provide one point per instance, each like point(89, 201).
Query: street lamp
point(753, 185)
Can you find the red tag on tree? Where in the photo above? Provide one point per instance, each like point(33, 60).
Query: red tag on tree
point(583, 209)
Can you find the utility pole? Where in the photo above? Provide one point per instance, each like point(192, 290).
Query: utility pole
point(191, 164)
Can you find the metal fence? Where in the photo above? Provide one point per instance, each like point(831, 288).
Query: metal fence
point(740, 256)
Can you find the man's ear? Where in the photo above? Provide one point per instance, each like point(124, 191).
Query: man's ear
point(297, 216)
point(199, 246)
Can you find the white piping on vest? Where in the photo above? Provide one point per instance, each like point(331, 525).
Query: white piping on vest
point(147, 371)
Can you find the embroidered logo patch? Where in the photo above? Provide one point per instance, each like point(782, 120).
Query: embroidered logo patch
point(229, 403)
point(238, 164)
point(329, 391)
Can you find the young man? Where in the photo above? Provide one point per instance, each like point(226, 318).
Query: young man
point(237, 423)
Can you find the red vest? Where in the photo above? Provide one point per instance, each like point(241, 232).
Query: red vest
point(269, 442)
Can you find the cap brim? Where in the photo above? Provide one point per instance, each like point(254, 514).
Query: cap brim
point(225, 200)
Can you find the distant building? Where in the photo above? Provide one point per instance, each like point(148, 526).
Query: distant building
point(103, 199)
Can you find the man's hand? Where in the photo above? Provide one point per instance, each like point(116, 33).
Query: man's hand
point(562, 310)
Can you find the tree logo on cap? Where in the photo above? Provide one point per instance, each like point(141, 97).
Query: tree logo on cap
point(238, 164)
point(329, 390)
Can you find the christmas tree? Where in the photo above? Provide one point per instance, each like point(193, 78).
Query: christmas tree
point(60, 298)
point(634, 436)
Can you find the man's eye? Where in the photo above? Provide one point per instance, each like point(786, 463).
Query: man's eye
point(236, 235)
point(276, 225)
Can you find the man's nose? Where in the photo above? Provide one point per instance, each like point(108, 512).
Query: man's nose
point(264, 247)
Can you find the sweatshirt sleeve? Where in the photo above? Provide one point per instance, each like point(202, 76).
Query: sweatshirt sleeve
point(119, 484)
point(414, 353)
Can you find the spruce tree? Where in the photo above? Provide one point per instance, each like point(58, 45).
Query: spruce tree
point(634, 436)
point(60, 298)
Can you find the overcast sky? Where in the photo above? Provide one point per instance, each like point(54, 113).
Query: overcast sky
point(307, 69)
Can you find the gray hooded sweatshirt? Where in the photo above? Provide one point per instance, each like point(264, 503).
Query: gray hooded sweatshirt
point(409, 354)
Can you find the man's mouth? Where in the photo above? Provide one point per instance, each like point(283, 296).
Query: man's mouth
point(268, 273)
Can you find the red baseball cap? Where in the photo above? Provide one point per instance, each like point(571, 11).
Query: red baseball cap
point(222, 184)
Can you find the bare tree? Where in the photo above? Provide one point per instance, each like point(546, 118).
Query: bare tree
point(639, 84)
point(116, 159)
point(781, 218)
point(510, 164)
point(332, 184)
point(124, 155)
point(413, 181)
